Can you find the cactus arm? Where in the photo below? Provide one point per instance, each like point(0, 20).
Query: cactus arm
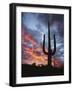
point(54, 50)
point(44, 46)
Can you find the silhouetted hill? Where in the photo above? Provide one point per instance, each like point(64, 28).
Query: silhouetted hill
point(32, 70)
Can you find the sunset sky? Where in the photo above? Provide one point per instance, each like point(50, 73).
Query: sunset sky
point(34, 26)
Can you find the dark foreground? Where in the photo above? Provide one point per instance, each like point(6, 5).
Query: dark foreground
point(31, 71)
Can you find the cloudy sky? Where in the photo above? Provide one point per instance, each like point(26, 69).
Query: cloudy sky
point(34, 26)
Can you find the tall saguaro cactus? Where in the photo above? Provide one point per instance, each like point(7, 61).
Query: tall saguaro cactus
point(50, 52)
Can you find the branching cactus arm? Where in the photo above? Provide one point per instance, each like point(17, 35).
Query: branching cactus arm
point(44, 46)
point(54, 50)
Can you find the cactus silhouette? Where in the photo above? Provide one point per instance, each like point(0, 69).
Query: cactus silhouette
point(50, 52)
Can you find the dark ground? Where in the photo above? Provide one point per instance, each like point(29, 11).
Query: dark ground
point(31, 71)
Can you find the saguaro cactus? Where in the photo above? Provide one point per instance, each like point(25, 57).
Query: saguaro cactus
point(50, 52)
